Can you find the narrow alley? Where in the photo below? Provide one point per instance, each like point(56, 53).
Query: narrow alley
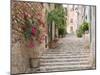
point(69, 55)
point(52, 37)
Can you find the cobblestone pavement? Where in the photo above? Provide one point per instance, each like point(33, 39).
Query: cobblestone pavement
point(71, 54)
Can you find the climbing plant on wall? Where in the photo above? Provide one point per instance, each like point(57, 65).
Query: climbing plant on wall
point(29, 17)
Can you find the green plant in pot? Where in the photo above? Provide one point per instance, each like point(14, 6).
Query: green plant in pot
point(61, 31)
point(82, 29)
point(79, 33)
point(85, 27)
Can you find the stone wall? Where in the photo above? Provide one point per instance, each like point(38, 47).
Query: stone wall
point(20, 52)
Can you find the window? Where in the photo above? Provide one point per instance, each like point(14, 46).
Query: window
point(42, 5)
point(66, 11)
point(86, 17)
point(71, 20)
point(49, 5)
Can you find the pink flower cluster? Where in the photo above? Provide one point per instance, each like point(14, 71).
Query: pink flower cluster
point(33, 31)
point(31, 45)
point(42, 38)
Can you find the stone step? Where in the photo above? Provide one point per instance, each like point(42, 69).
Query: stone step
point(65, 57)
point(65, 67)
point(68, 51)
point(65, 51)
point(63, 60)
point(50, 55)
point(63, 63)
point(70, 55)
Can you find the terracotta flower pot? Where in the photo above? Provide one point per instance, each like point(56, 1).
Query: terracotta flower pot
point(53, 44)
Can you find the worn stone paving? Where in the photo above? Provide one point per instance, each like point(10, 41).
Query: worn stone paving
point(71, 54)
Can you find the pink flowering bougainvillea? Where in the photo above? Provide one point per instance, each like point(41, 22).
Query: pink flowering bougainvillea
point(41, 38)
point(29, 16)
point(31, 45)
point(33, 31)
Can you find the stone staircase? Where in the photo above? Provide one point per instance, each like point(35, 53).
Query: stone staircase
point(64, 61)
point(68, 56)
